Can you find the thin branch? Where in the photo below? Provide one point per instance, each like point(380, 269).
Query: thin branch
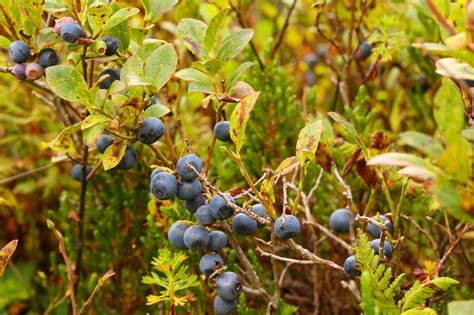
point(282, 32)
point(440, 18)
point(284, 259)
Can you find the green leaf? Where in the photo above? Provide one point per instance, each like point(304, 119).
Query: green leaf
point(160, 66)
point(215, 25)
point(199, 87)
point(121, 30)
point(68, 84)
point(91, 134)
point(132, 72)
point(237, 73)
point(399, 159)
point(156, 8)
point(93, 120)
point(234, 43)
point(192, 33)
point(449, 111)
point(422, 142)
point(308, 141)
point(420, 311)
point(120, 16)
point(240, 117)
point(98, 14)
point(190, 74)
point(156, 110)
point(345, 124)
point(113, 155)
point(468, 134)
point(66, 131)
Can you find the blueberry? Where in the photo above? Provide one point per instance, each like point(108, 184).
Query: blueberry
point(34, 71)
point(196, 238)
point(47, 58)
point(339, 220)
point(151, 130)
point(194, 204)
point(19, 71)
point(259, 210)
point(228, 286)
point(287, 227)
point(350, 266)
point(217, 241)
point(114, 75)
point(103, 143)
point(129, 158)
point(71, 32)
point(219, 208)
point(58, 23)
point(155, 171)
point(203, 216)
point(243, 224)
point(310, 78)
point(364, 51)
point(19, 51)
point(209, 263)
point(112, 45)
point(176, 233)
point(187, 173)
point(189, 190)
point(387, 248)
point(222, 307)
point(163, 186)
point(222, 131)
point(375, 230)
point(311, 59)
point(76, 172)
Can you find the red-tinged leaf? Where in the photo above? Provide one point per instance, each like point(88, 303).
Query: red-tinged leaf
point(5, 255)
point(240, 117)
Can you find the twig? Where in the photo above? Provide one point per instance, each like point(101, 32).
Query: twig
point(440, 18)
point(284, 259)
point(283, 30)
point(418, 227)
point(453, 245)
point(31, 172)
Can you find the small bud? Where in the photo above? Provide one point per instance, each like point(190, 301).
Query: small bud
point(99, 47)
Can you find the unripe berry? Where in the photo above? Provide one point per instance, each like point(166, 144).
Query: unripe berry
point(350, 266)
point(73, 58)
point(176, 234)
point(185, 172)
point(196, 238)
point(243, 224)
point(209, 263)
point(287, 227)
point(163, 186)
point(34, 71)
point(228, 286)
point(99, 47)
point(19, 71)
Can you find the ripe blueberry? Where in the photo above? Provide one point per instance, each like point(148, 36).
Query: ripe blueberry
point(364, 51)
point(34, 71)
point(71, 32)
point(112, 45)
point(219, 208)
point(203, 216)
point(259, 210)
point(311, 59)
point(163, 186)
point(222, 131)
point(194, 204)
point(243, 224)
point(228, 286)
point(151, 130)
point(217, 241)
point(155, 171)
point(387, 248)
point(114, 75)
point(187, 173)
point(129, 158)
point(19, 71)
point(19, 52)
point(350, 266)
point(339, 220)
point(103, 143)
point(209, 263)
point(189, 190)
point(375, 230)
point(196, 238)
point(223, 307)
point(58, 23)
point(287, 227)
point(47, 58)
point(176, 233)
point(76, 172)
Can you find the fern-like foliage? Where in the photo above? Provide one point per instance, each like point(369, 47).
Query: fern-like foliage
point(378, 289)
point(174, 279)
